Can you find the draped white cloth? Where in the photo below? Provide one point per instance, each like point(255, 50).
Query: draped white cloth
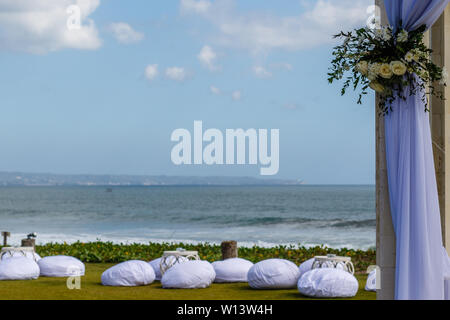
point(420, 262)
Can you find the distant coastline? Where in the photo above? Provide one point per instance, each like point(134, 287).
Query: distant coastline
point(49, 179)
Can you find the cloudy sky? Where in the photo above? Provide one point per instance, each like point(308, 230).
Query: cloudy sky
point(103, 97)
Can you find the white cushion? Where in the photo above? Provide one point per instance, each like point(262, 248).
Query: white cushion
point(371, 283)
point(273, 274)
point(189, 275)
point(18, 268)
point(328, 283)
point(129, 274)
point(306, 266)
point(156, 268)
point(232, 270)
point(28, 254)
point(61, 266)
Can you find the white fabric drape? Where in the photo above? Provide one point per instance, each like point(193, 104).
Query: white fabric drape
point(420, 263)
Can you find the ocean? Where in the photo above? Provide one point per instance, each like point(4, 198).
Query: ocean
point(334, 216)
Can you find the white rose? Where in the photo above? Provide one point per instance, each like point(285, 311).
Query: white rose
point(374, 67)
point(398, 68)
point(363, 67)
point(378, 87)
point(371, 76)
point(373, 70)
point(385, 71)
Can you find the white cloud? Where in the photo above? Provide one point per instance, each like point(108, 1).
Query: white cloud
point(265, 73)
point(124, 33)
point(215, 90)
point(208, 58)
point(151, 71)
point(236, 95)
point(41, 26)
point(176, 73)
point(291, 106)
point(261, 72)
point(193, 6)
point(261, 32)
point(282, 66)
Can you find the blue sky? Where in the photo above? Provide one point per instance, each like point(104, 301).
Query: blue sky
point(81, 101)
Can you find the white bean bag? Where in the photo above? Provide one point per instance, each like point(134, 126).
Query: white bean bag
point(189, 275)
point(306, 266)
point(18, 268)
point(231, 270)
point(273, 274)
point(31, 255)
point(129, 274)
point(371, 283)
point(328, 283)
point(156, 268)
point(61, 266)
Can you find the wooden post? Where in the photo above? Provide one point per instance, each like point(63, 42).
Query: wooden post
point(229, 249)
point(28, 242)
point(385, 228)
point(5, 235)
point(440, 119)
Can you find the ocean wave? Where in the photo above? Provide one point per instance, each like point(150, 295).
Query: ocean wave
point(261, 221)
point(355, 224)
point(244, 221)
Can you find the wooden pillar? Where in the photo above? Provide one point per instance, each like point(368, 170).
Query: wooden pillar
point(439, 40)
point(385, 229)
point(5, 235)
point(229, 249)
point(440, 120)
point(28, 243)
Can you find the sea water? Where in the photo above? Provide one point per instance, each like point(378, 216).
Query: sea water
point(334, 216)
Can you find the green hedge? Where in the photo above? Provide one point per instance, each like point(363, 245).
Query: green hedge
point(109, 252)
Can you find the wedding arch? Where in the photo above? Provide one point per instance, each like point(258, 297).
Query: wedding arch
point(415, 181)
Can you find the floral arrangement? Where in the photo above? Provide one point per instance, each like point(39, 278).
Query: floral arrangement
point(388, 62)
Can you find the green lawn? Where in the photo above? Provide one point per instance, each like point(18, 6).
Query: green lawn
point(91, 289)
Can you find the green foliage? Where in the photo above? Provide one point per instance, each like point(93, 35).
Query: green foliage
point(107, 252)
point(388, 62)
